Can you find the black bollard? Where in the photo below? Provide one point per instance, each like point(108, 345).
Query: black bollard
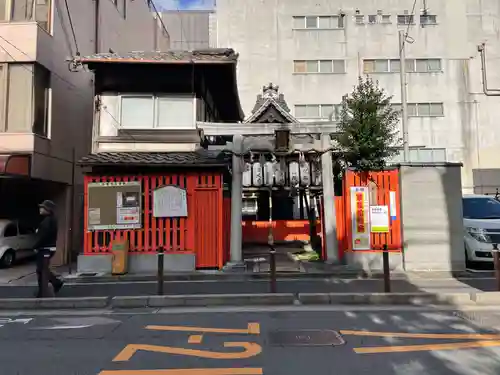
point(44, 288)
point(161, 256)
point(387, 272)
point(496, 263)
point(272, 268)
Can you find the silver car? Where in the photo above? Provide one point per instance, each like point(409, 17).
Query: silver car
point(16, 242)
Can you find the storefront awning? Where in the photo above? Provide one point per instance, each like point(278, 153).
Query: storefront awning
point(15, 165)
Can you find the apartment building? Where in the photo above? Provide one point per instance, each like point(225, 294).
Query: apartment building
point(46, 102)
point(315, 50)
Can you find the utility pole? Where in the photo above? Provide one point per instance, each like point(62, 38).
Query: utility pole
point(404, 103)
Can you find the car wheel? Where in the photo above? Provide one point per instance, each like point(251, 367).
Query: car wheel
point(8, 259)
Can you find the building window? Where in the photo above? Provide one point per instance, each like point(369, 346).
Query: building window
point(394, 66)
point(164, 112)
point(428, 19)
point(28, 10)
point(318, 22)
point(318, 111)
point(422, 109)
point(41, 95)
point(372, 19)
point(386, 18)
point(405, 19)
point(319, 66)
point(26, 104)
point(359, 19)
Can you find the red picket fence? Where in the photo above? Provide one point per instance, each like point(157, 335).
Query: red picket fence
point(201, 232)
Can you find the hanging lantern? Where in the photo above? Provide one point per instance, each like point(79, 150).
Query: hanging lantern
point(294, 173)
point(305, 174)
point(316, 174)
point(279, 174)
point(257, 174)
point(268, 173)
point(247, 175)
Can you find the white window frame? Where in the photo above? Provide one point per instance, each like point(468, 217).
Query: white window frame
point(155, 98)
point(412, 62)
point(397, 106)
point(334, 18)
point(318, 66)
point(336, 109)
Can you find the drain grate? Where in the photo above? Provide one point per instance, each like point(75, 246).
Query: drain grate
point(306, 337)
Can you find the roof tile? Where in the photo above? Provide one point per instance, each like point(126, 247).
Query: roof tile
point(197, 158)
point(208, 55)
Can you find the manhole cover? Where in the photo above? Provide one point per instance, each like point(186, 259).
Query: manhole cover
point(307, 337)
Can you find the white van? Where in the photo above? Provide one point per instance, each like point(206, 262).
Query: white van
point(482, 227)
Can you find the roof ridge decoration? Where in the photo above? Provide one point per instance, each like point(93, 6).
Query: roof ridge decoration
point(271, 107)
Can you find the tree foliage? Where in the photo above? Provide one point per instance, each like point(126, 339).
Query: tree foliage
point(368, 127)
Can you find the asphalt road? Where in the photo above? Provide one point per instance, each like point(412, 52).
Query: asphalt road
point(120, 344)
point(327, 285)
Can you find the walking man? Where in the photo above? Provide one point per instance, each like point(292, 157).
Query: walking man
point(45, 245)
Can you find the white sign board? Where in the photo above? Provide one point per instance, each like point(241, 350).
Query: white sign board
point(169, 201)
point(379, 219)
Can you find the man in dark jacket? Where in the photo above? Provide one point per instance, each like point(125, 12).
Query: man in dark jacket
point(45, 245)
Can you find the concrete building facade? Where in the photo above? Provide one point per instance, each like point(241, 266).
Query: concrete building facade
point(188, 29)
point(315, 51)
point(45, 106)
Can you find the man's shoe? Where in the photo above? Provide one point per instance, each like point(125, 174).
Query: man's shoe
point(58, 286)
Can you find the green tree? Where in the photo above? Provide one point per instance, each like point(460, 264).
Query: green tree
point(368, 127)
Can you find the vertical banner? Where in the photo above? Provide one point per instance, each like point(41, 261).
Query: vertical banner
point(360, 217)
point(392, 204)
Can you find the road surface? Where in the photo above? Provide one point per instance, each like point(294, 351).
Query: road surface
point(375, 341)
point(326, 285)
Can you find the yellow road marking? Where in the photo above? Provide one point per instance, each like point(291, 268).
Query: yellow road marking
point(417, 348)
point(195, 339)
point(253, 329)
point(251, 350)
point(190, 371)
point(452, 336)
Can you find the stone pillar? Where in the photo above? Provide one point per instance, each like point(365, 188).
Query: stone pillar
point(330, 218)
point(236, 201)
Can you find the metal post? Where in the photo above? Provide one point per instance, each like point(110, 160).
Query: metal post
point(387, 274)
point(272, 268)
point(161, 256)
point(44, 288)
point(404, 102)
point(496, 262)
point(270, 241)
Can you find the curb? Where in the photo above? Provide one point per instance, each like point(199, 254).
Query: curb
point(264, 299)
point(226, 276)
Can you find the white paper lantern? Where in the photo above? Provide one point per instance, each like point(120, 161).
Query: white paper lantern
point(294, 173)
point(305, 174)
point(257, 174)
point(316, 174)
point(247, 175)
point(269, 173)
point(279, 175)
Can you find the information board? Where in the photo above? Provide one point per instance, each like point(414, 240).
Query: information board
point(170, 201)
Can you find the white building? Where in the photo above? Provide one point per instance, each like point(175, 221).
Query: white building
point(316, 49)
point(46, 109)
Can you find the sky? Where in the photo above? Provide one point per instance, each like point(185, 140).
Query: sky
point(184, 4)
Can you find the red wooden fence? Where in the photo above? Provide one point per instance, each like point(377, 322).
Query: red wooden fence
point(201, 232)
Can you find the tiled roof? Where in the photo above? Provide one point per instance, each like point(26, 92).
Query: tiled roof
point(172, 159)
point(211, 55)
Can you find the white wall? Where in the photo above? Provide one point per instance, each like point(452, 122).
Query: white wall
point(261, 32)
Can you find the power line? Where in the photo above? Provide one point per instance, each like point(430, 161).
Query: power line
point(412, 14)
point(70, 19)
